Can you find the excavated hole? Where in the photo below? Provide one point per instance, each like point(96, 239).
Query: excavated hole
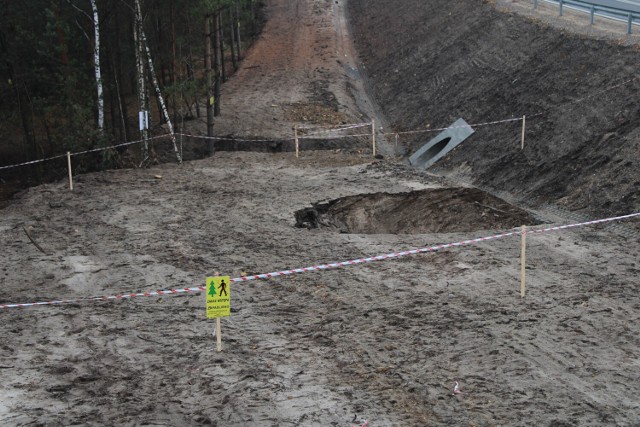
point(443, 210)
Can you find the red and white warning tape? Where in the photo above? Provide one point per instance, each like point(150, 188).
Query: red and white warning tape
point(474, 125)
point(111, 147)
point(320, 267)
point(32, 162)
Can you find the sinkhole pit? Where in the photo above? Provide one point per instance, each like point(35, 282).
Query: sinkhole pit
point(441, 210)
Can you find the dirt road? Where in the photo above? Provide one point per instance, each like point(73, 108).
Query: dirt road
point(381, 341)
point(291, 76)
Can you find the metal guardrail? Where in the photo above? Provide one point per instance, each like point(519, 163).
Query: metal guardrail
point(621, 10)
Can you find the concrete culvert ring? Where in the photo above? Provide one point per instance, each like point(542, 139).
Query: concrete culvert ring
point(443, 210)
point(434, 151)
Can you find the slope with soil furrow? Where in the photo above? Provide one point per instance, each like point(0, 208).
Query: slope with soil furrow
point(432, 62)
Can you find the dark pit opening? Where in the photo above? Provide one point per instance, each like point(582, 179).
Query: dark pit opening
point(442, 210)
point(434, 150)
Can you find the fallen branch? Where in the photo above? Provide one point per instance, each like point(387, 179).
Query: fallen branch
point(33, 241)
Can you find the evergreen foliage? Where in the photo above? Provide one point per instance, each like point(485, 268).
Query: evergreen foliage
point(48, 100)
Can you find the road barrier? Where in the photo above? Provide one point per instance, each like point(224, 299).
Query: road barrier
point(619, 10)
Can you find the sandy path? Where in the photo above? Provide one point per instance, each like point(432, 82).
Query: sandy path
point(292, 65)
point(303, 72)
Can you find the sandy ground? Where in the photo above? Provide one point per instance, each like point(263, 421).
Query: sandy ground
point(384, 341)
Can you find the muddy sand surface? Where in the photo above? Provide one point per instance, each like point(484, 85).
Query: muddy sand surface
point(382, 341)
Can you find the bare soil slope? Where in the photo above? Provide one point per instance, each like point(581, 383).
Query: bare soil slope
point(431, 62)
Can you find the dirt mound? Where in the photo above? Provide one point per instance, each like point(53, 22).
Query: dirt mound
point(442, 210)
point(430, 63)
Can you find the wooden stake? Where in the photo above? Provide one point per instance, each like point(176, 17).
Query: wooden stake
point(523, 261)
point(218, 335)
point(295, 136)
point(373, 136)
point(70, 173)
point(524, 120)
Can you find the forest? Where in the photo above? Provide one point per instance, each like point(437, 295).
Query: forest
point(83, 74)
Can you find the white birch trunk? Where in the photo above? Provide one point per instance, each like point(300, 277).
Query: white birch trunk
point(163, 106)
point(142, 95)
point(96, 62)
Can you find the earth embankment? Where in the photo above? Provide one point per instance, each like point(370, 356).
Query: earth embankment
point(430, 63)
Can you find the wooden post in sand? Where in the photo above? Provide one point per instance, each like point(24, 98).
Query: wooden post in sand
point(295, 137)
point(523, 261)
point(373, 136)
point(70, 173)
point(219, 334)
point(524, 120)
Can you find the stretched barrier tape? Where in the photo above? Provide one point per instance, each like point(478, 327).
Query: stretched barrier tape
point(33, 162)
point(81, 152)
point(335, 136)
point(318, 267)
point(221, 138)
point(354, 126)
point(335, 128)
point(518, 119)
point(119, 145)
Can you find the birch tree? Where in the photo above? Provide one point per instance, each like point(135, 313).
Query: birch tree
point(95, 20)
point(142, 89)
point(142, 40)
point(96, 65)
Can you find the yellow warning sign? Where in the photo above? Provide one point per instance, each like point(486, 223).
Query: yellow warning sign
point(218, 297)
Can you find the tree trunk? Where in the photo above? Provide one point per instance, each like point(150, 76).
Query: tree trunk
point(117, 77)
point(221, 37)
point(190, 73)
point(142, 92)
point(237, 28)
point(207, 65)
point(62, 44)
point(174, 68)
point(29, 138)
point(96, 64)
point(252, 17)
point(234, 58)
point(154, 80)
point(124, 134)
point(218, 64)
